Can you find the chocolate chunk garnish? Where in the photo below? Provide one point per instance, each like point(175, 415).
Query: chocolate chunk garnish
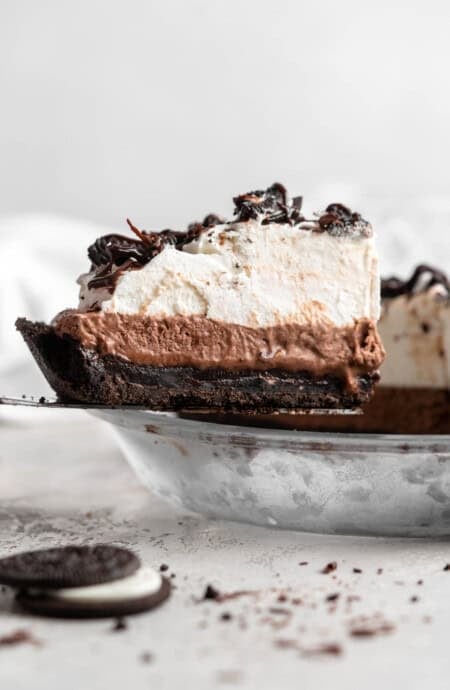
point(339, 220)
point(163, 567)
point(196, 229)
point(193, 232)
point(342, 213)
point(68, 566)
point(271, 205)
point(211, 220)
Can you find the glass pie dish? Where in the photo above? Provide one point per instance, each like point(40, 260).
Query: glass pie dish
point(309, 481)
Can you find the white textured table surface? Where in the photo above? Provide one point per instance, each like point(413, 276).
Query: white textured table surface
point(63, 480)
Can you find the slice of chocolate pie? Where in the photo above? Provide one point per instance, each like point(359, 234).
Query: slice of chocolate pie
point(270, 310)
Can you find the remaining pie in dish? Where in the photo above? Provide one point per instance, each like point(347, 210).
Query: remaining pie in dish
point(269, 310)
point(413, 396)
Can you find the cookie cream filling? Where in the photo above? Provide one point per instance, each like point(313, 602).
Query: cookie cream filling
point(252, 274)
point(144, 582)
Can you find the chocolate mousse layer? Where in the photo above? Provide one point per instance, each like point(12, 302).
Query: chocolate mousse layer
point(78, 372)
point(196, 341)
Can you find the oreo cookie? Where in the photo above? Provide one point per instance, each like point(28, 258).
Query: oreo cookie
point(137, 593)
point(68, 566)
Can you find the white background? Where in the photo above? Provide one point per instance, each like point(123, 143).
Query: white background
point(162, 110)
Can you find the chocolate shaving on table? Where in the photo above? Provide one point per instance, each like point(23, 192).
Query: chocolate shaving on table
point(17, 637)
point(422, 279)
point(329, 568)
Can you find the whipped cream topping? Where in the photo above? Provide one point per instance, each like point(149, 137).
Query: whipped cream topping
point(250, 273)
point(415, 330)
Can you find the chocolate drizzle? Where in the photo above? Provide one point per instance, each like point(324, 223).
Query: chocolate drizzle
point(112, 255)
point(422, 279)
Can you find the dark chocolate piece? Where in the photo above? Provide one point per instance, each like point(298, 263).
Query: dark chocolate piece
point(76, 373)
point(270, 203)
point(339, 220)
point(68, 566)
